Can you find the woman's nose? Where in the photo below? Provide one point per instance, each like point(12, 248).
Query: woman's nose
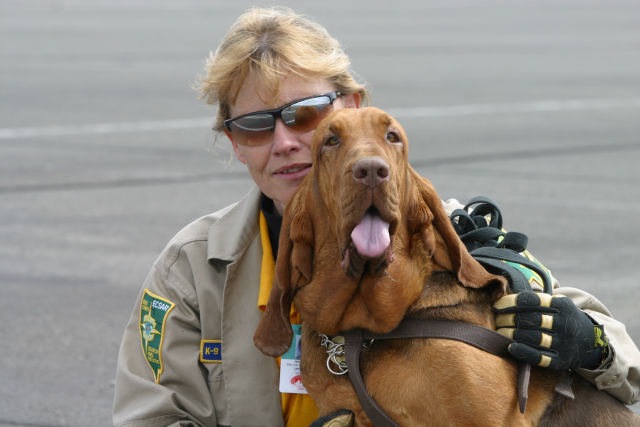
point(284, 139)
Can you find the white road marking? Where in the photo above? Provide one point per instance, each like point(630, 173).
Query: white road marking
point(105, 128)
point(548, 106)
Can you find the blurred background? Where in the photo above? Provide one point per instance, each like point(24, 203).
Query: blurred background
point(106, 152)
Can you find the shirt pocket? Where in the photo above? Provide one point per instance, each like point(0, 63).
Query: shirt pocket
point(215, 381)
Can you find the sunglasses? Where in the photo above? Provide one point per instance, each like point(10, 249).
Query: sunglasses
point(301, 115)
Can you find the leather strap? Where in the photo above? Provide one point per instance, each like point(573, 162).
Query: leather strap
point(477, 336)
point(352, 347)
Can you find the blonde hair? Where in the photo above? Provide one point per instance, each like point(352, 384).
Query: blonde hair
point(269, 43)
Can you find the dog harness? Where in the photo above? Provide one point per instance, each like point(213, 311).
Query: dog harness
point(500, 253)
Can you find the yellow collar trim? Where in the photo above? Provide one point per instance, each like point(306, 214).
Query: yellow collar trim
point(267, 267)
point(267, 271)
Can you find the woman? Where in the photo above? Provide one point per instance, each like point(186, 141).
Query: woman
point(187, 355)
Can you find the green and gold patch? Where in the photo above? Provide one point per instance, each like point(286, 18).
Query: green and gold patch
point(532, 277)
point(154, 311)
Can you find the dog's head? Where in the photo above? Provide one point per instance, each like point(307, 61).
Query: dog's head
point(360, 175)
point(361, 234)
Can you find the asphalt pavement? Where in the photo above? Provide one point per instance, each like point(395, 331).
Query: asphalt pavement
point(106, 151)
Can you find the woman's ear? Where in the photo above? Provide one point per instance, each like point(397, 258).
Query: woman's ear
point(352, 100)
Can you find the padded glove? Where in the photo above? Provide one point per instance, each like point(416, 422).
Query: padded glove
point(550, 331)
point(342, 418)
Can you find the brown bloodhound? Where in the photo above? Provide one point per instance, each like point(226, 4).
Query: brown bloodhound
point(365, 242)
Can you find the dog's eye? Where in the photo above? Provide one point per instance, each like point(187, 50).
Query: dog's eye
point(331, 141)
point(393, 137)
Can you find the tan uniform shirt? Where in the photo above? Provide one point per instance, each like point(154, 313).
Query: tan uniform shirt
point(210, 272)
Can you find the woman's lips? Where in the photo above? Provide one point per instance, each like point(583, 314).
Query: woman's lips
point(293, 172)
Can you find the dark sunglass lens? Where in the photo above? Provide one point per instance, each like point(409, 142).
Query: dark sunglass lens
point(252, 130)
point(305, 115)
point(253, 123)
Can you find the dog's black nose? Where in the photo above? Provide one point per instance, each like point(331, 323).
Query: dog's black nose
point(371, 171)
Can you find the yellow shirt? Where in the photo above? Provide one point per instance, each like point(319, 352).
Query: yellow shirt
point(297, 409)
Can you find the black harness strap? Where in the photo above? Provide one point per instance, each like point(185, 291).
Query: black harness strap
point(490, 245)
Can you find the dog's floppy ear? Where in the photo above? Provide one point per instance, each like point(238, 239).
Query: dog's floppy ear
point(293, 269)
point(440, 240)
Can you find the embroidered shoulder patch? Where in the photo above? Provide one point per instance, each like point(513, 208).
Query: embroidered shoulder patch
point(154, 311)
point(211, 351)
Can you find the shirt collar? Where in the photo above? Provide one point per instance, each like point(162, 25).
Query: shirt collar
point(234, 229)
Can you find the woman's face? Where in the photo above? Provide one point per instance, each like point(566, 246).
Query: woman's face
point(279, 165)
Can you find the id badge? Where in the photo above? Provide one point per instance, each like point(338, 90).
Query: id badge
point(290, 379)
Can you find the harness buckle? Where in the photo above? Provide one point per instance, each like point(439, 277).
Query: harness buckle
point(367, 344)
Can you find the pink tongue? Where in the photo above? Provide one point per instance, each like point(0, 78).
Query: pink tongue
point(371, 236)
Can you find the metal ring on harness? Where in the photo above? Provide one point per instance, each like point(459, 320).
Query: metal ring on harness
point(335, 354)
